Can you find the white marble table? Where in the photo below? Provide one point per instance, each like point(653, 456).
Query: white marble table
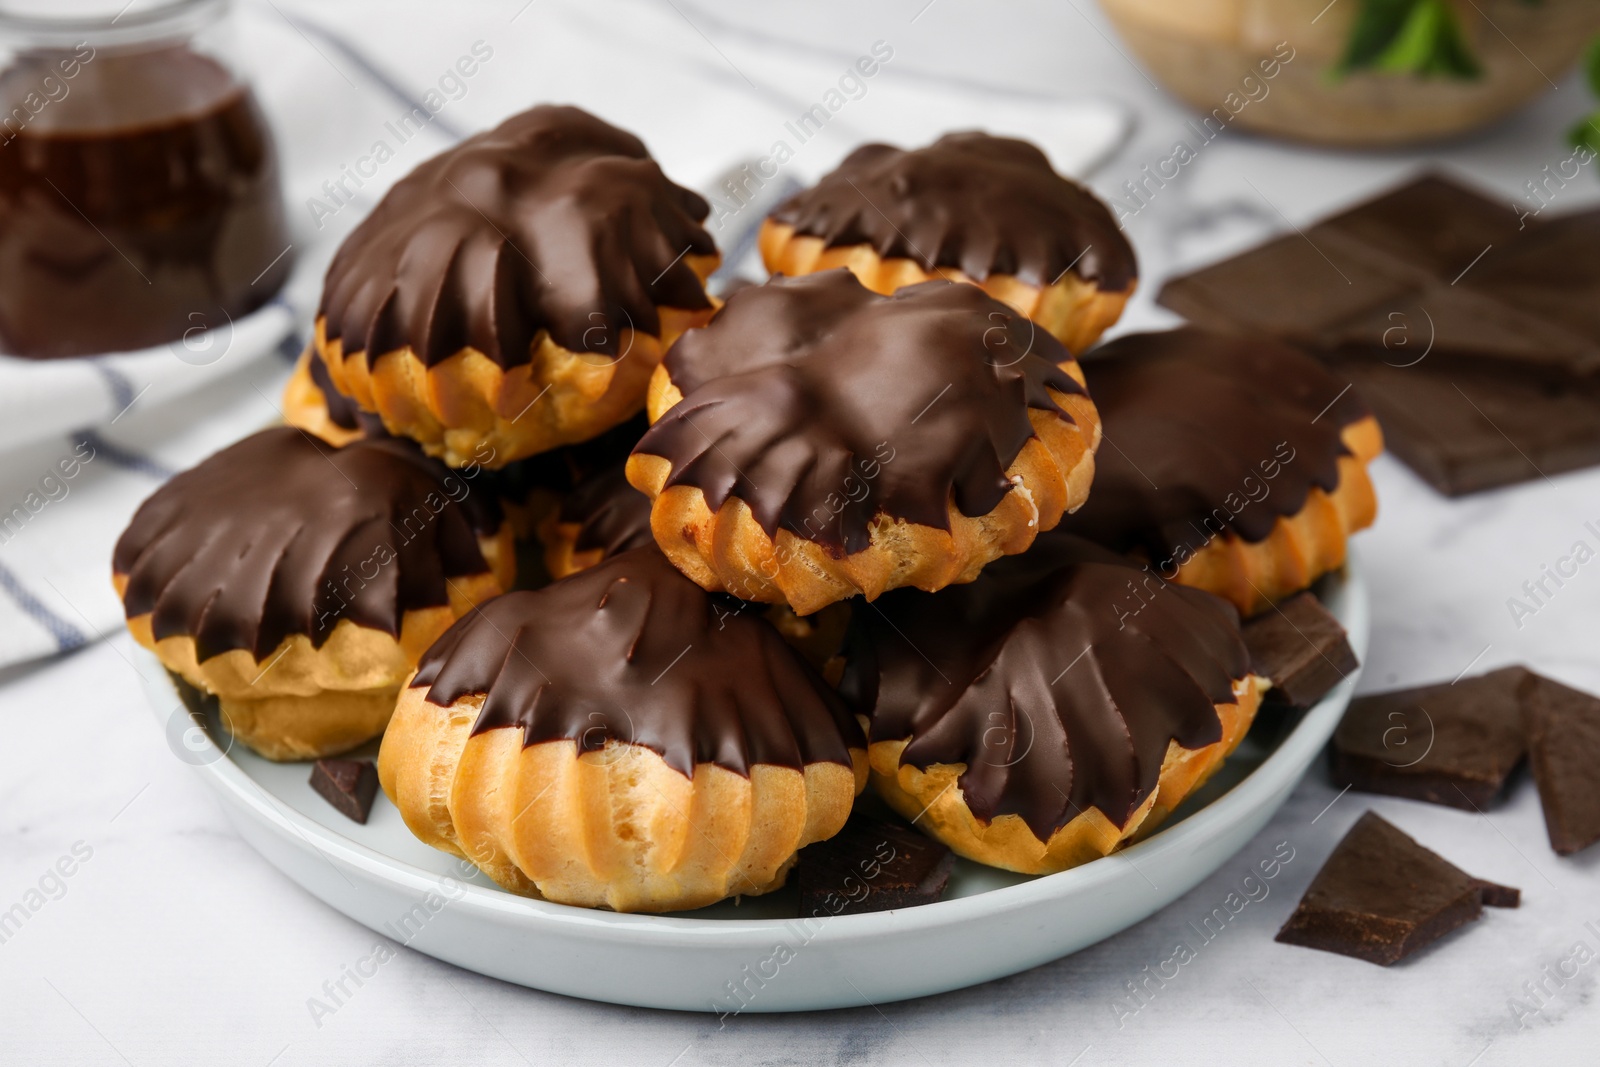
point(171, 942)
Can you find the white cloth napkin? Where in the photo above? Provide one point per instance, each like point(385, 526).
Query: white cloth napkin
point(42, 399)
point(85, 441)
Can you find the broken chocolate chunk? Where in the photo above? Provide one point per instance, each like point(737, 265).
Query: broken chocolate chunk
point(348, 784)
point(1562, 726)
point(1498, 896)
point(871, 865)
point(1301, 649)
point(1381, 897)
point(1445, 744)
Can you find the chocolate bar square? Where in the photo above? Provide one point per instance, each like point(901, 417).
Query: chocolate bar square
point(1553, 272)
point(1471, 430)
point(1563, 735)
point(1444, 744)
point(1381, 897)
point(1433, 224)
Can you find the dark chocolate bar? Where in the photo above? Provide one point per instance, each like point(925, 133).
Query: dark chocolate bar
point(1472, 330)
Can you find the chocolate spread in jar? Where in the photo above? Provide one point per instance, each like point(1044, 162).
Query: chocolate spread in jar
point(139, 200)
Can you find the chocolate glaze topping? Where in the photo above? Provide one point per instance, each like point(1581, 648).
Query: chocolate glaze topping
point(1207, 431)
point(611, 515)
point(1054, 682)
point(139, 202)
point(631, 650)
point(821, 404)
point(281, 534)
point(983, 205)
point(552, 221)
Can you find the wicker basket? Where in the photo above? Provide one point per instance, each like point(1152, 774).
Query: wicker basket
point(1203, 50)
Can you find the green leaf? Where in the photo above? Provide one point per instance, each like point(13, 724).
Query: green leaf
point(1433, 44)
point(1586, 134)
point(1377, 24)
point(1418, 37)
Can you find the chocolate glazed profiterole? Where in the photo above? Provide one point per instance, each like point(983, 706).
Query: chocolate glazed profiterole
point(1029, 724)
point(299, 582)
point(139, 204)
point(603, 516)
point(516, 291)
point(312, 403)
point(969, 207)
point(818, 440)
point(532, 489)
point(1236, 464)
point(623, 739)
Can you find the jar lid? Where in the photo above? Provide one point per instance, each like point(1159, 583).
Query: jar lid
point(50, 24)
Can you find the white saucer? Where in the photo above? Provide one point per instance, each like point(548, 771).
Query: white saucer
point(753, 955)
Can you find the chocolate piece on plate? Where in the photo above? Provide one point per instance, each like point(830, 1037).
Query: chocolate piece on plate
point(1562, 726)
point(348, 784)
point(1445, 744)
point(1381, 897)
point(871, 865)
point(1301, 648)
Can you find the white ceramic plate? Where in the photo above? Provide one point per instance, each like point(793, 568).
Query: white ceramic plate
point(753, 955)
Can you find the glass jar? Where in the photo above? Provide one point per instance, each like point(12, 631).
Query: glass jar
point(139, 188)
